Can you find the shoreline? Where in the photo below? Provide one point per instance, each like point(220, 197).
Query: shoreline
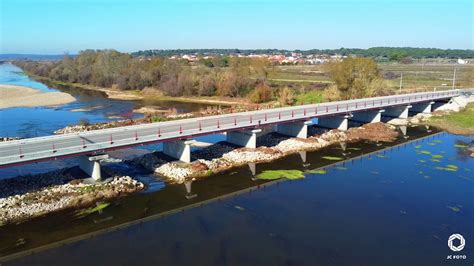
point(21, 96)
point(139, 95)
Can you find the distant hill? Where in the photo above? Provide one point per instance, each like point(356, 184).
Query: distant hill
point(35, 57)
point(391, 53)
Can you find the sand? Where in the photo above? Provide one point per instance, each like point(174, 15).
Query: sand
point(19, 96)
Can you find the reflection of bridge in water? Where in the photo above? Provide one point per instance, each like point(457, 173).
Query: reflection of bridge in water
point(176, 198)
point(241, 129)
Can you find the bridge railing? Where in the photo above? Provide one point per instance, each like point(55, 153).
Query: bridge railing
point(101, 140)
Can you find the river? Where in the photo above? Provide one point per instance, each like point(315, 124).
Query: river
point(384, 204)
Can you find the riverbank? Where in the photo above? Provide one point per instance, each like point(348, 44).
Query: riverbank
point(461, 123)
point(147, 94)
point(19, 96)
point(224, 156)
point(26, 197)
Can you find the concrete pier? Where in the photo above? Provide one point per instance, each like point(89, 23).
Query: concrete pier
point(245, 138)
point(339, 122)
point(422, 107)
point(179, 149)
point(397, 111)
point(370, 116)
point(295, 129)
point(91, 165)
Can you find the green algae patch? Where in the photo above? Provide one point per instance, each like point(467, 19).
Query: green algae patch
point(436, 156)
point(460, 146)
point(317, 171)
point(333, 158)
point(452, 166)
point(454, 208)
point(353, 149)
point(449, 167)
point(87, 212)
point(277, 174)
point(435, 160)
point(437, 141)
point(425, 152)
point(417, 146)
point(422, 161)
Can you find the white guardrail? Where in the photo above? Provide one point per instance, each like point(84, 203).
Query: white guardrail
point(43, 148)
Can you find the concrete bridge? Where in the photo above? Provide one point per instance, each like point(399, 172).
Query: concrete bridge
point(241, 129)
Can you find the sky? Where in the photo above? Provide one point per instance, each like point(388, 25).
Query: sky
point(58, 26)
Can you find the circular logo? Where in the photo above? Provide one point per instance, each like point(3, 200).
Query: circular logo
point(460, 246)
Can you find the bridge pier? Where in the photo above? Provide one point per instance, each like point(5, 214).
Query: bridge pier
point(397, 111)
point(179, 149)
point(338, 122)
point(294, 129)
point(370, 116)
point(91, 165)
point(245, 138)
point(424, 107)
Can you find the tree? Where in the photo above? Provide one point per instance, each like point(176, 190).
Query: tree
point(355, 77)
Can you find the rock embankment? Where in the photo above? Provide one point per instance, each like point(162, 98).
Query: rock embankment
point(375, 131)
point(222, 157)
point(3, 139)
point(72, 195)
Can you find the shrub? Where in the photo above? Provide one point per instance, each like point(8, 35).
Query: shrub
point(262, 93)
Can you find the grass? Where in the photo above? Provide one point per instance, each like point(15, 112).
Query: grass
point(309, 97)
point(457, 123)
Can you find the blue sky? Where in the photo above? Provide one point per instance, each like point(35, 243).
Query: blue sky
point(56, 26)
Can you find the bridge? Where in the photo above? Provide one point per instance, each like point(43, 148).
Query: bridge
point(241, 129)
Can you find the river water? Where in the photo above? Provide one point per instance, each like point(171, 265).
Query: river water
point(389, 204)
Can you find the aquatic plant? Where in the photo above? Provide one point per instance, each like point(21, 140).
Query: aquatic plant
point(454, 208)
point(333, 158)
point(85, 212)
point(460, 146)
point(317, 171)
point(277, 174)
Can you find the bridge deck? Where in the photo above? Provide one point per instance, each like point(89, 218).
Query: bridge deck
point(97, 141)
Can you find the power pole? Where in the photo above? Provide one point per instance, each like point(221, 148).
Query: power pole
point(454, 78)
point(401, 81)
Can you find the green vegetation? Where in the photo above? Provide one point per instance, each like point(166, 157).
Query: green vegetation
point(277, 174)
point(354, 78)
point(238, 77)
point(86, 212)
point(317, 171)
point(449, 167)
point(309, 97)
point(258, 80)
point(333, 158)
point(457, 122)
point(454, 208)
